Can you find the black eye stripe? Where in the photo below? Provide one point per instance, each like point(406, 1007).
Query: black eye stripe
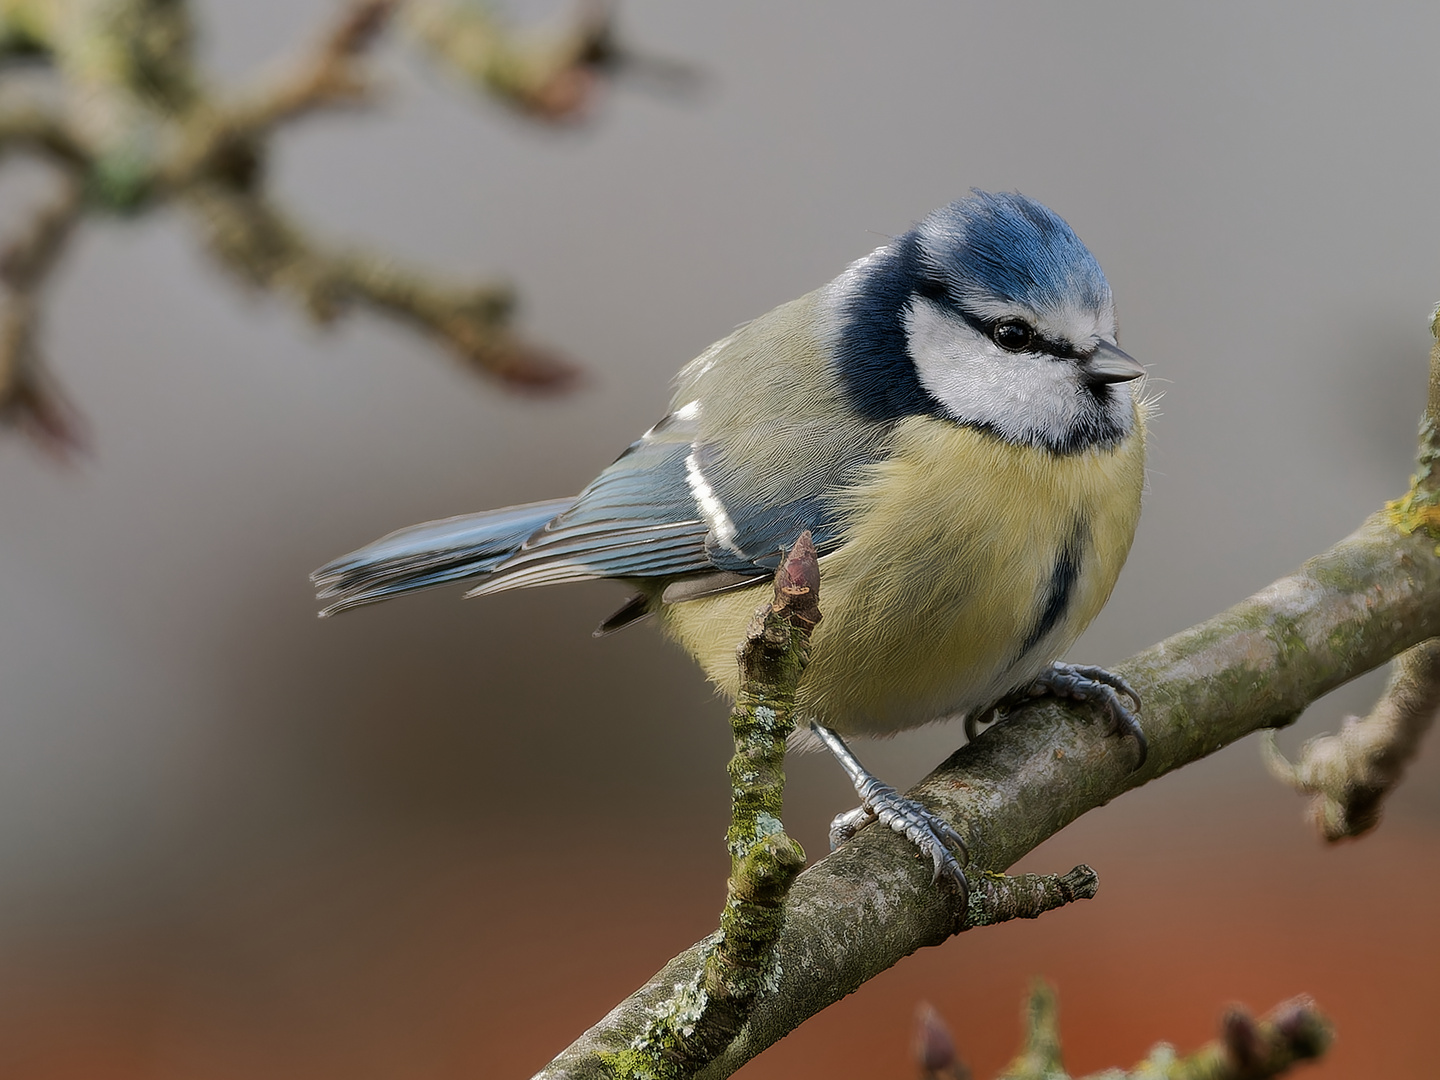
point(1037, 342)
point(936, 292)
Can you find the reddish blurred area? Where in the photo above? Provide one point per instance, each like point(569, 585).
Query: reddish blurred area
point(483, 956)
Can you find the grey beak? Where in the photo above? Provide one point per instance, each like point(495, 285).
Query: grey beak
point(1109, 363)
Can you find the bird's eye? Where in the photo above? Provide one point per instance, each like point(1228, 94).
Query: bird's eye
point(1013, 335)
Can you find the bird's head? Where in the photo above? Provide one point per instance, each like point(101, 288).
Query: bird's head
point(990, 313)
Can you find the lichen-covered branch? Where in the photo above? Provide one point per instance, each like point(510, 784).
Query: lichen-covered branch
point(1350, 774)
point(1255, 666)
point(136, 124)
point(1247, 1049)
point(998, 898)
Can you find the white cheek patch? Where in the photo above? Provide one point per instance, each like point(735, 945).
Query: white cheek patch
point(1022, 397)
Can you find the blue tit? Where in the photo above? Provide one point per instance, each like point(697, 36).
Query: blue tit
point(952, 421)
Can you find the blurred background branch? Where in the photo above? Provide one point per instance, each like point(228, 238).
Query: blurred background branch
point(1248, 1048)
point(135, 124)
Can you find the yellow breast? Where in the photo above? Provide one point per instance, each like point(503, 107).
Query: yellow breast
point(968, 565)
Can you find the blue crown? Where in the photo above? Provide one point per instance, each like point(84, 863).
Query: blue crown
point(1011, 248)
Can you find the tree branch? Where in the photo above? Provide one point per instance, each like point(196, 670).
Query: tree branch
point(1255, 666)
point(1351, 774)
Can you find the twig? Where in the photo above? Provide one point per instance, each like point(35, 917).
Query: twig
point(933, 1047)
point(326, 76)
point(256, 241)
point(1040, 1058)
point(699, 1021)
point(1294, 1031)
point(550, 77)
point(29, 396)
point(1350, 774)
point(1248, 1049)
point(28, 127)
point(999, 897)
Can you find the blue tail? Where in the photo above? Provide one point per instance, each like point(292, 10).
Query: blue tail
point(435, 553)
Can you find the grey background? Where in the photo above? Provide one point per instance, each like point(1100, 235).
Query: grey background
point(1258, 182)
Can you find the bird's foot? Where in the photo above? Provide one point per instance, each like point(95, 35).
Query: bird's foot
point(881, 802)
point(1084, 682)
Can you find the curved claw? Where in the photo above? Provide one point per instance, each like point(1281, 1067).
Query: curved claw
point(927, 832)
point(1123, 722)
point(881, 802)
point(1086, 682)
point(1097, 674)
point(933, 836)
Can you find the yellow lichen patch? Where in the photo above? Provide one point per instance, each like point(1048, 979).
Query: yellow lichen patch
point(1413, 511)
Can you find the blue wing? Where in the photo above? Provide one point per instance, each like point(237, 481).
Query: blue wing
point(666, 508)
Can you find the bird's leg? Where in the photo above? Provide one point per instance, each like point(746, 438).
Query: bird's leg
point(976, 717)
point(1083, 682)
point(879, 801)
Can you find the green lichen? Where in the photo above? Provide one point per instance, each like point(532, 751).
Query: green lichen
point(1419, 508)
point(1415, 510)
point(1287, 635)
point(630, 1064)
point(656, 1053)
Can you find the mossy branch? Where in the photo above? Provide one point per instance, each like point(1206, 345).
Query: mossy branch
point(698, 1021)
point(686, 1024)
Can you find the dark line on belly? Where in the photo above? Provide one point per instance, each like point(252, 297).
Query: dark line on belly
point(1062, 584)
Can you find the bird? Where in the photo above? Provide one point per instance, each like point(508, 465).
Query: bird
point(953, 422)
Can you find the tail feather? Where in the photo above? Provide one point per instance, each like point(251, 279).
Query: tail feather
point(435, 553)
